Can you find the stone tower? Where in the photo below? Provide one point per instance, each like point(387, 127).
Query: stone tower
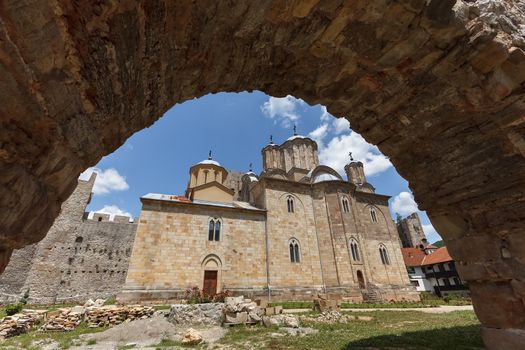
point(208, 181)
point(411, 232)
point(297, 152)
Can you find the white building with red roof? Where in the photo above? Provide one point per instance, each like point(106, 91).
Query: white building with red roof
point(432, 269)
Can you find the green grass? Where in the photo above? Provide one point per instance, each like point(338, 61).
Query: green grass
point(388, 330)
point(170, 343)
point(162, 307)
point(382, 306)
point(294, 304)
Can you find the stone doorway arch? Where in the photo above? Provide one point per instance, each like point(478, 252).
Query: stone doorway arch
point(436, 85)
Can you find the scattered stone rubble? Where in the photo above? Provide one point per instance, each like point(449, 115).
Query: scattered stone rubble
point(64, 319)
point(290, 321)
point(67, 319)
point(322, 304)
point(191, 337)
point(334, 317)
point(110, 315)
point(239, 310)
point(20, 322)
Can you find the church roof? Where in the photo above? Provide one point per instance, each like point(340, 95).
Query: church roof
point(325, 177)
point(417, 257)
point(296, 137)
point(182, 199)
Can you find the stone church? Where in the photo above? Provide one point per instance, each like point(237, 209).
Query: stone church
point(295, 230)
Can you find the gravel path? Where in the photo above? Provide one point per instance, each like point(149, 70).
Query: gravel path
point(429, 310)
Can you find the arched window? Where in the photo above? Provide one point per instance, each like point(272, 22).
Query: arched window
point(346, 207)
point(289, 201)
point(373, 215)
point(384, 255)
point(214, 229)
point(293, 246)
point(354, 250)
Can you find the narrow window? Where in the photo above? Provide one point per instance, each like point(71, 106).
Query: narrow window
point(354, 250)
point(211, 230)
point(373, 215)
point(384, 255)
point(293, 246)
point(289, 201)
point(217, 230)
point(346, 207)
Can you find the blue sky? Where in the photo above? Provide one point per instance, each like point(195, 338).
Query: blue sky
point(235, 126)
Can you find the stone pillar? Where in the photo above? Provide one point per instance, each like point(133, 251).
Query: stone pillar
point(489, 249)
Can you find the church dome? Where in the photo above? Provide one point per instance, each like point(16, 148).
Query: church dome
point(210, 161)
point(296, 137)
point(325, 177)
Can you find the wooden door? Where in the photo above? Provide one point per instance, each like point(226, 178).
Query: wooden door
point(210, 283)
point(360, 279)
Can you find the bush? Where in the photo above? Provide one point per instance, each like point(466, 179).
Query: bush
point(12, 309)
point(23, 299)
point(197, 296)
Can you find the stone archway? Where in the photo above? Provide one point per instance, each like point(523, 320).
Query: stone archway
point(436, 84)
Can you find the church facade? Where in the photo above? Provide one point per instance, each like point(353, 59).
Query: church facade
point(295, 230)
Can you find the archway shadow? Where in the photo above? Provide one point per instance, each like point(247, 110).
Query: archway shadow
point(457, 338)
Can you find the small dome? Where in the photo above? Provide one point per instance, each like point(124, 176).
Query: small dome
point(325, 177)
point(296, 137)
point(209, 161)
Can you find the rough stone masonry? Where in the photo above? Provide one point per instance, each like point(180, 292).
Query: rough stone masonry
point(80, 258)
point(436, 84)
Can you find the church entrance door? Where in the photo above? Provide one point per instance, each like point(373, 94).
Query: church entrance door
point(210, 283)
point(360, 279)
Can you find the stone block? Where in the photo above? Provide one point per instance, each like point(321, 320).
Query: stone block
point(497, 305)
point(498, 339)
point(262, 303)
point(269, 310)
point(278, 310)
point(236, 318)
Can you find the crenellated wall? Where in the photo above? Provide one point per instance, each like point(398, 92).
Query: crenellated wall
point(80, 258)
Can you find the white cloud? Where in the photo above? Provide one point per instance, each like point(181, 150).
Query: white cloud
point(341, 125)
point(112, 210)
point(283, 109)
point(107, 181)
point(404, 204)
point(431, 233)
point(335, 154)
point(319, 134)
point(325, 116)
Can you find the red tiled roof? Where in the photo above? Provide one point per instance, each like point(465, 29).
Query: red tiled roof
point(416, 257)
point(180, 199)
point(413, 256)
point(439, 256)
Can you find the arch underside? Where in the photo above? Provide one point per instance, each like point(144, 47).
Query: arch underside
point(437, 85)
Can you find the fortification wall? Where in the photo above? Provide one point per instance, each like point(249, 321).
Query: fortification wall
point(78, 259)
